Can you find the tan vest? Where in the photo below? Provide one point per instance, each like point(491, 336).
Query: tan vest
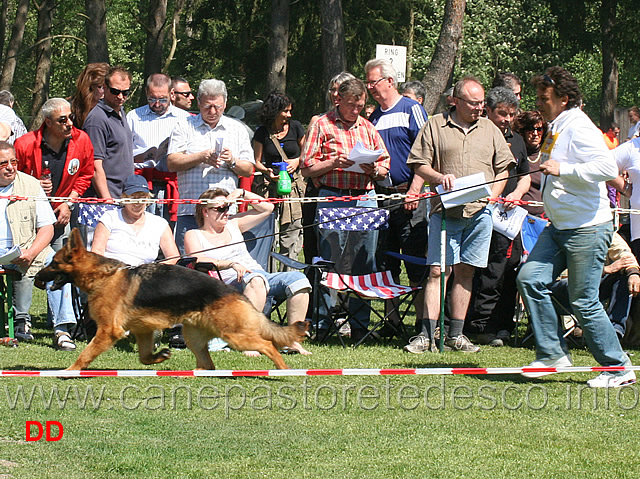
point(22, 219)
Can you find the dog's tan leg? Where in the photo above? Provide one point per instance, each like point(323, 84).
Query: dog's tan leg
point(198, 342)
point(145, 349)
point(244, 342)
point(101, 342)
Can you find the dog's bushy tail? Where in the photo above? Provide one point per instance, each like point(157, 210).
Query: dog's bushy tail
point(282, 336)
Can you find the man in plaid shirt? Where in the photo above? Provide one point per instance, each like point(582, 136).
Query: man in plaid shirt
point(324, 160)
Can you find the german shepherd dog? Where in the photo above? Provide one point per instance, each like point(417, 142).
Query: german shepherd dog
point(156, 296)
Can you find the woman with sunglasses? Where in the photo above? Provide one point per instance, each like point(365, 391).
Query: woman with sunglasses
point(131, 234)
point(219, 240)
point(532, 127)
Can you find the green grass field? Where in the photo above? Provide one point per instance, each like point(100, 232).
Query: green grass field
point(326, 427)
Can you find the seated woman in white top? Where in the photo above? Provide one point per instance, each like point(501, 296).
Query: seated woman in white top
point(219, 238)
point(132, 235)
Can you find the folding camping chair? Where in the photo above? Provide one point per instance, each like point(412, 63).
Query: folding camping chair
point(340, 274)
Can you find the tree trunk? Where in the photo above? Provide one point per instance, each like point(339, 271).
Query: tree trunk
point(278, 46)
point(173, 38)
point(155, 27)
point(4, 14)
point(437, 77)
point(609, 63)
point(15, 43)
point(333, 50)
point(96, 29)
point(412, 22)
point(43, 60)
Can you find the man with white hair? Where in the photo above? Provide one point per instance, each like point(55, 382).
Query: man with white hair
point(207, 150)
point(60, 156)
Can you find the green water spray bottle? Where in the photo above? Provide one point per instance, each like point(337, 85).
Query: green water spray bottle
point(284, 180)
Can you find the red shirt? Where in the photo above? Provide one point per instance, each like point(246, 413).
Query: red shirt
point(330, 138)
point(78, 168)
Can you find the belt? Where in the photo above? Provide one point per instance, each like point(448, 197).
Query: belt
point(388, 190)
point(345, 191)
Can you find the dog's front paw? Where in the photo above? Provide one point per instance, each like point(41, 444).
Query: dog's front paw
point(163, 355)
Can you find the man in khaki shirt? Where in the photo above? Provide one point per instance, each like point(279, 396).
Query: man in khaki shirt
point(452, 145)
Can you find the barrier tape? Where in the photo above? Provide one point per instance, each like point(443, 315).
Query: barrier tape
point(134, 373)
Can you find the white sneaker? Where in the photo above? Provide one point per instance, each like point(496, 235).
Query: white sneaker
point(561, 362)
point(608, 379)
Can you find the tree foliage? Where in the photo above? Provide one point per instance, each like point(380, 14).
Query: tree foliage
point(230, 39)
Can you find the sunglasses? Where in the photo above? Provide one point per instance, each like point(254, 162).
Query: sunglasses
point(5, 164)
point(537, 129)
point(547, 79)
point(220, 209)
point(162, 101)
point(116, 92)
point(185, 94)
point(65, 118)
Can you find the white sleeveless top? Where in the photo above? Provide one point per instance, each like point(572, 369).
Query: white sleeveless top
point(234, 252)
point(132, 248)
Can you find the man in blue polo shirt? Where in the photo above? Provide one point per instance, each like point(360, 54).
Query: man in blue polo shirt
point(111, 136)
point(398, 120)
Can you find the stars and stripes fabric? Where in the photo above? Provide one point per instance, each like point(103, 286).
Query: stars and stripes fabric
point(353, 219)
point(89, 214)
point(374, 286)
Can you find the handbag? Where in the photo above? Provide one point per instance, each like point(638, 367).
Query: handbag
point(291, 211)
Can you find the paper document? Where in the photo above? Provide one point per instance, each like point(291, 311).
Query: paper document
point(465, 190)
point(10, 255)
point(508, 223)
point(361, 155)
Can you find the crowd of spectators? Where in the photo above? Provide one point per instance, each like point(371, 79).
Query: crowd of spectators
point(540, 160)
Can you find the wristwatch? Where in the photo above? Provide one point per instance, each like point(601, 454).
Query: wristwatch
point(232, 163)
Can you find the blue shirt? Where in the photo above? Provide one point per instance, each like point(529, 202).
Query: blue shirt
point(399, 126)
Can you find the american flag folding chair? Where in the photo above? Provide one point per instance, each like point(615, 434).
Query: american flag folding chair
point(372, 285)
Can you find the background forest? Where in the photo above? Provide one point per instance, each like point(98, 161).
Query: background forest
point(45, 44)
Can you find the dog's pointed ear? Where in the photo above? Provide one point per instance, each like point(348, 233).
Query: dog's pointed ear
point(75, 240)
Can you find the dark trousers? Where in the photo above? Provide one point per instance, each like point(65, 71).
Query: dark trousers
point(493, 299)
point(614, 295)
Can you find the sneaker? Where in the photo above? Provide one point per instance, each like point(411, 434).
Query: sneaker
point(504, 336)
point(418, 344)
point(344, 328)
point(63, 342)
point(21, 332)
point(488, 339)
point(561, 362)
point(461, 343)
point(608, 379)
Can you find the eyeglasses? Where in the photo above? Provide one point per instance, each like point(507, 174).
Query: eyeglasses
point(472, 103)
point(185, 94)
point(220, 209)
point(547, 79)
point(116, 92)
point(537, 129)
point(65, 118)
point(212, 107)
point(372, 83)
point(5, 164)
point(162, 101)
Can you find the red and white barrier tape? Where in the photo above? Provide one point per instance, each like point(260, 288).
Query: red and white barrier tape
point(309, 372)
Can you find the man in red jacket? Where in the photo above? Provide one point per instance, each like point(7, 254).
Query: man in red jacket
point(61, 157)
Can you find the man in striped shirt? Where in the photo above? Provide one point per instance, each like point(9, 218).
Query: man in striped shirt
point(151, 126)
point(398, 119)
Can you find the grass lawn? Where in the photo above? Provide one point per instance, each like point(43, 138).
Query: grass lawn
point(328, 427)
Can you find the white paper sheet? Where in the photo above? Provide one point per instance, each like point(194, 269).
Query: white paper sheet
point(12, 254)
point(361, 155)
point(509, 223)
point(466, 189)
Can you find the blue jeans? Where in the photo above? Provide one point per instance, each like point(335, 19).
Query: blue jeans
point(184, 223)
point(582, 251)
point(361, 246)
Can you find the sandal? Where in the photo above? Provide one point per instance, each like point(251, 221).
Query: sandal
point(62, 342)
